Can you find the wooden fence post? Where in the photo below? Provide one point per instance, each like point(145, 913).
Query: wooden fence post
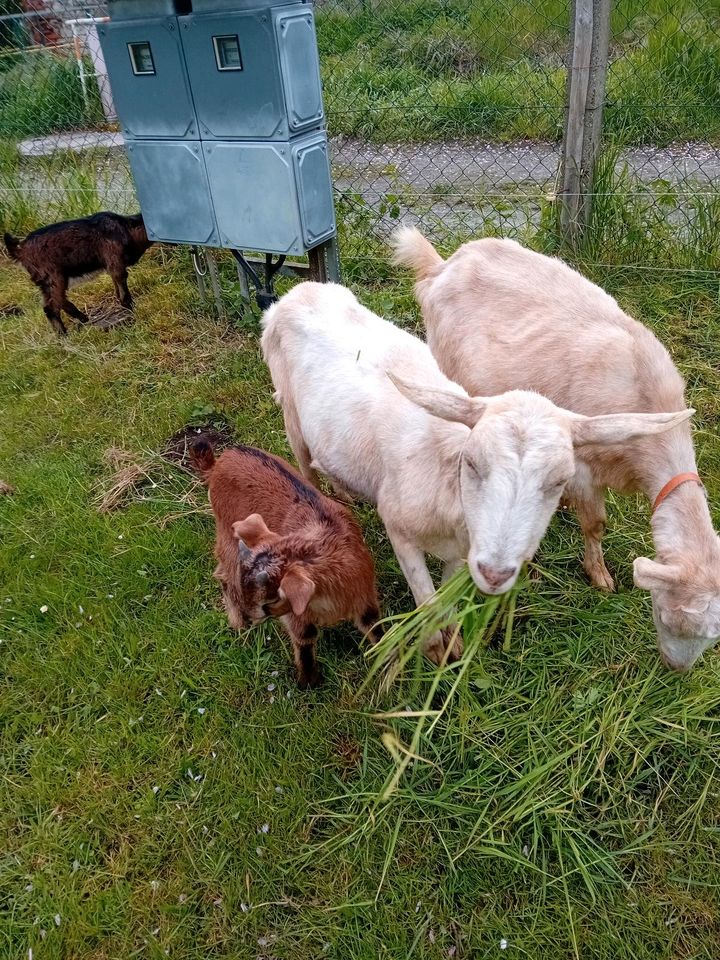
point(587, 71)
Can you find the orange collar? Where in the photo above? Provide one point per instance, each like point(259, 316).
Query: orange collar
point(673, 484)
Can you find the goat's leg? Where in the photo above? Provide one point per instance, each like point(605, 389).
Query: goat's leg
point(73, 311)
point(304, 637)
point(341, 493)
point(57, 295)
point(55, 319)
point(451, 567)
point(367, 622)
point(119, 274)
point(53, 293)
point(590, 508)
point(297, 443)
point(412, 563)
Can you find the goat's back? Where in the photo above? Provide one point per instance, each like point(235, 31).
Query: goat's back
point(245, 480)
point(329, 357)
point(77, 247)
point(501, 317)
point(319, 330)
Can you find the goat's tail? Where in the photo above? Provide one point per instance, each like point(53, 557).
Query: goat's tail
point(412, 249)
point(12, 243)
point(202, 458)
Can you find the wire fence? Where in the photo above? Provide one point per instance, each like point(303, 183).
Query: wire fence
point(443, 113)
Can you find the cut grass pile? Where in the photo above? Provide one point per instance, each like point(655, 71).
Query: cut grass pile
point(165, 790)
point(456, 608)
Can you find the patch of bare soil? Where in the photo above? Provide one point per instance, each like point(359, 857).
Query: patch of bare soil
point(218, 434)
point(130, 475)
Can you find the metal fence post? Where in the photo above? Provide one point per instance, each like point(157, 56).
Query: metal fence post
point(587, 72)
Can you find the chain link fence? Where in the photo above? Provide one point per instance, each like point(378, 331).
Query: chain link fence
point(60, 152)
point(657, 188)
point(443, 113)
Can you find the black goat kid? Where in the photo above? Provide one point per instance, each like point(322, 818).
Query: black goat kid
point(55, 256)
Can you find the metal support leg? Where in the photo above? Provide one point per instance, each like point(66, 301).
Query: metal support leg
point(215, 283)
point(242, 278)
point(264, 292)
point(200, 267)
point(325, 262)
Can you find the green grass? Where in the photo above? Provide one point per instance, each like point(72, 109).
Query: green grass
point(654, 224)
point(495, 69)
point(63, 185)
point(41, 94)
point(398, 70)
point(567, 799)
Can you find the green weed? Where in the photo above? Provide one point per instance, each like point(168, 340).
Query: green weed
point(17, 206)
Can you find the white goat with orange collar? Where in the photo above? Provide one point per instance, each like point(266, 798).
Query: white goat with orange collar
point(500, 317)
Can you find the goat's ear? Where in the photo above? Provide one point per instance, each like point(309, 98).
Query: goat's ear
point(649, 574)
point(252, 530)
point(457, 407)
point(297, 588)
point(621, 427)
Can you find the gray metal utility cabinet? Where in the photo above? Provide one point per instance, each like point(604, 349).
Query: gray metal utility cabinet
point(221, 108)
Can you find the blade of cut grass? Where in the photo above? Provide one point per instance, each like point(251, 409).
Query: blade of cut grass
point(400, 652)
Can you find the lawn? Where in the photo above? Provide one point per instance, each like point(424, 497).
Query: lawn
point(411, 70)
point(41, 93)
point(167, 791)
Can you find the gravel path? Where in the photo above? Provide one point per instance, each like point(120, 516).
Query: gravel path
point(451, 162)
point(470, 185)
point(470, 162)
point(456, 183)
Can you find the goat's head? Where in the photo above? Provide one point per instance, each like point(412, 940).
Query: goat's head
point(516, 461)
point(686, 604)
point(138, 232)
point(273, 580)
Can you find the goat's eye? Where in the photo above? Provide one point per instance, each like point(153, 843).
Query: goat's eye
point(478, 471)
point(555, 486)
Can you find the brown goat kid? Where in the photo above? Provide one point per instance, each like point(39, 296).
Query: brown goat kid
point(61, 253)
point(287, 551)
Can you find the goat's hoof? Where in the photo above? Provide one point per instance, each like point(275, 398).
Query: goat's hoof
point(341, 494)
point(436, 647)
point(310, 680)
point(452, 637)
point(601, 579)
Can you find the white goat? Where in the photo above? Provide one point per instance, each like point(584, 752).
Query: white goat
point(500, 317)
point(457, 476)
